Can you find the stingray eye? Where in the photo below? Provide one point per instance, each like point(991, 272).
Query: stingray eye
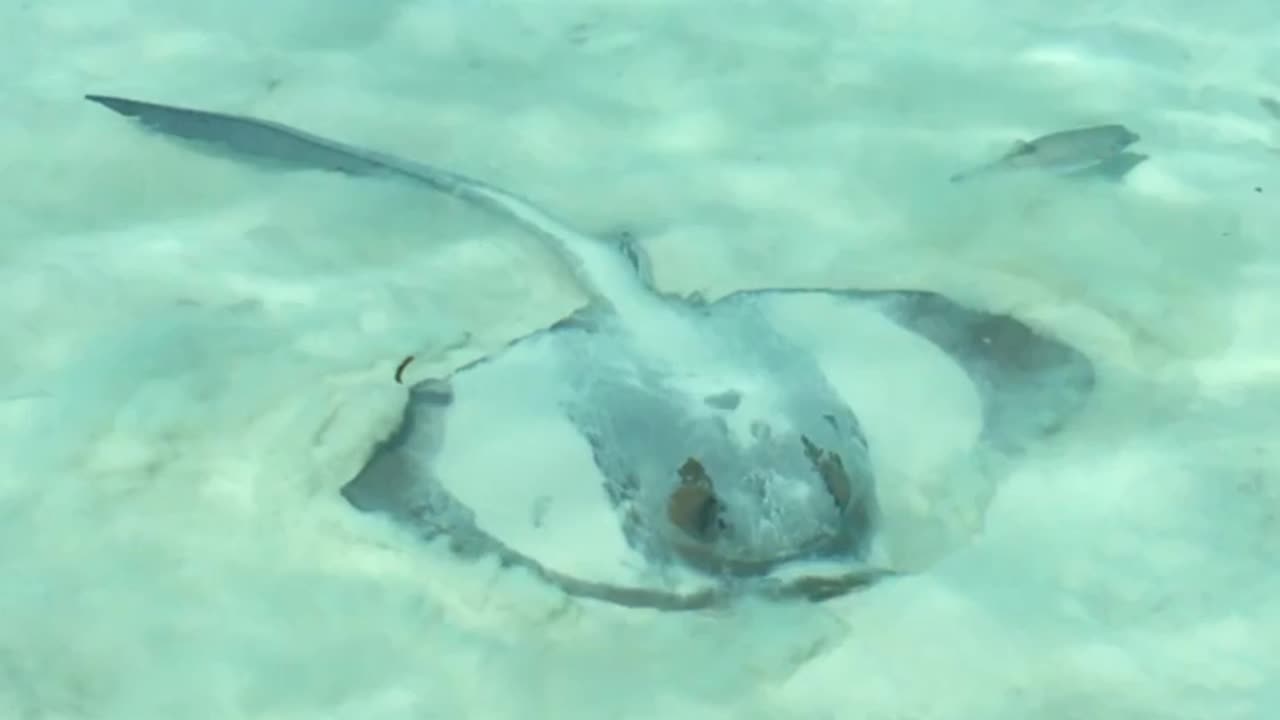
point(830, 468)
point(693, 506)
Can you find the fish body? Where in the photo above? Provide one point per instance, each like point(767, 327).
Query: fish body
point(1067, 152)
point(1271, 106)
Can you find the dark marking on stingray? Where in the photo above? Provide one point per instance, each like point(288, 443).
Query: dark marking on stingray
point(831, 468)
point(400, 368)
point(693, 507)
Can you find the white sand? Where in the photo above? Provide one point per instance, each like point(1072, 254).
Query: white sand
point(197, 355)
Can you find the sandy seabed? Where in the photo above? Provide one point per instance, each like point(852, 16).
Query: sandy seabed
point(197, 354)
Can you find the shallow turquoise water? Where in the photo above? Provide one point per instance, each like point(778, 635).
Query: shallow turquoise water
point(198, 353)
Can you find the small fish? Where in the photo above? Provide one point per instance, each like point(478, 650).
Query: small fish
point(1067, 152)
point(1271, 106)
point(1273, 109)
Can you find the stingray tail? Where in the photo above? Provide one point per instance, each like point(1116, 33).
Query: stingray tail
point(270, 143)
point(248, 139)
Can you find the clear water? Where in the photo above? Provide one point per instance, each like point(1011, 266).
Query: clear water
point(196, 354)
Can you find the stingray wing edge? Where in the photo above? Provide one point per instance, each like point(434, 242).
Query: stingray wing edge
point(1031, 384)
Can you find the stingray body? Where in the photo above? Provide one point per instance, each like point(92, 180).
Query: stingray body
point(658, 451)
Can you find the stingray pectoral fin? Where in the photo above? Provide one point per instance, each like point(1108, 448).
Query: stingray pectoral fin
point(397, 479)
point(1027, 384)
point(1031, 384)
point(508, 451)
point(400, 481)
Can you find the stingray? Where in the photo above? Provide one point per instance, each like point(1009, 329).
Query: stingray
point(673, 452)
